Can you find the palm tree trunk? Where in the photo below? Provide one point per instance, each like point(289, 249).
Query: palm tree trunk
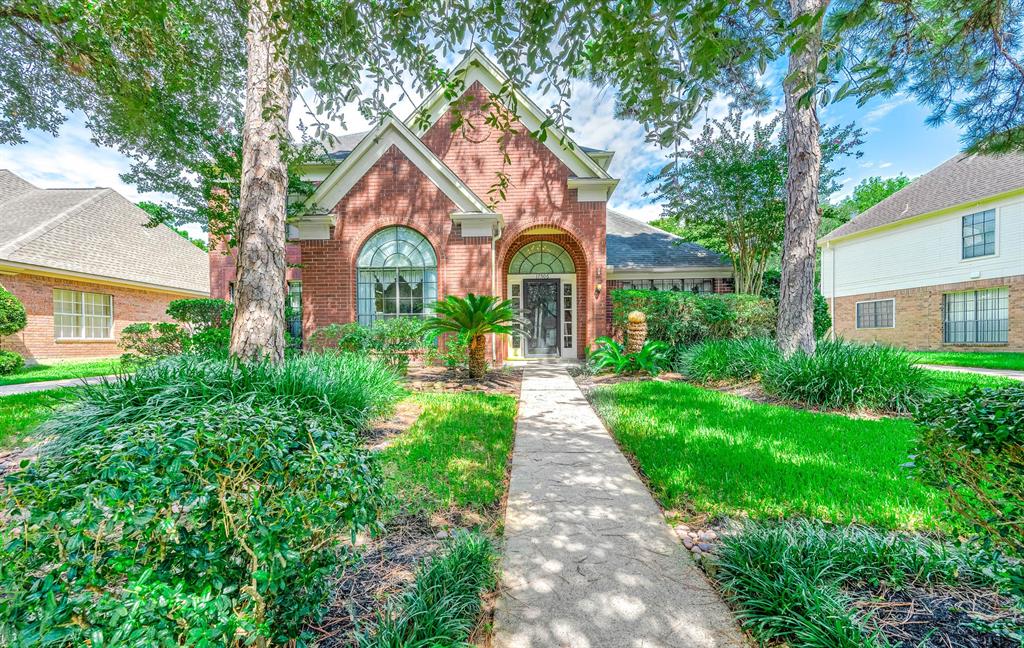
point(257, 331)
point(477, 357)
point(803, 216)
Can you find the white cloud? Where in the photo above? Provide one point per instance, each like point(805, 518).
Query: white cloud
point(886, 107)
point(885, 165)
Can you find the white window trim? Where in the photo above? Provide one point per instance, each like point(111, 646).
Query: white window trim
point(856, 320)
point(519, 353)
point(995, 224)
point(81, 328)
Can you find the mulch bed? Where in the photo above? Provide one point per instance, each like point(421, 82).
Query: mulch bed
point(506, 380)
point(937, 618)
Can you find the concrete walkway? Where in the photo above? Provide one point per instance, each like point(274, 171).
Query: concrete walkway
point(25, 388)
point(1004, 373)
point(589, 561)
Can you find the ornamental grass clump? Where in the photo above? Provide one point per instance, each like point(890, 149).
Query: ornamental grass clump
point(349, 388)
point(844, 375)
point(217, 524)
point(728, 360)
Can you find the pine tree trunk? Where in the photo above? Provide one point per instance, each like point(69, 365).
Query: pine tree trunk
point(803, 216)
point(477, 357)
point(257, 331)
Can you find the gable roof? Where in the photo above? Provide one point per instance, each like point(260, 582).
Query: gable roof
point(477, 67)
point(97, 233)
point(957, 182)
point(635, 245)
point(392, 132)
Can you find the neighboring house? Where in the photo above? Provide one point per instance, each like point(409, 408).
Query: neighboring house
point(937, 265)
point(85, 266)
point(401, 216)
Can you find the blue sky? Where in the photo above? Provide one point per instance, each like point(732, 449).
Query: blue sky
point(897, 141)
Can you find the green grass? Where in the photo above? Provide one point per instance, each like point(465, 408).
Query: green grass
point(986, 360)
point(21, 413)
point(957, 382)
point(62, 371)
point(455, 454)
point(708, 452)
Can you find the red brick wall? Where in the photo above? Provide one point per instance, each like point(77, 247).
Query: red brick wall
point(919, 316)
point(36, 342)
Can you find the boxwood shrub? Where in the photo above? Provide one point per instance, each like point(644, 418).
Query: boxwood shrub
point(683, 318)
point(971, 446)
point(218, 525)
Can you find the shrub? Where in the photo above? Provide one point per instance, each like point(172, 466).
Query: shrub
point(215, 526)
point(200, 314)
point(682, 318)
point(844, 375)
point(789, 581)
point(12, 314)
point(348, 388)
point(10, 362)
point(442, 607)
point(609, 355)
point(971, 446)
point(392, 340)
point(351, 337)
point(144, 342)
point(725, 360)
point(454, 354)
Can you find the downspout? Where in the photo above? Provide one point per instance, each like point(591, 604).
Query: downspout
point(494, 285)
point(832, 294)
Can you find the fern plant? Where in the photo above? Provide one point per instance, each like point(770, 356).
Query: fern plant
point(609, 355)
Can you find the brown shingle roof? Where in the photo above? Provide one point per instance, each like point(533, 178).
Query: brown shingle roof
point(96, 232)
point(959, 180)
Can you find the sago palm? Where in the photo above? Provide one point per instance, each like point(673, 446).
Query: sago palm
point(474, 316)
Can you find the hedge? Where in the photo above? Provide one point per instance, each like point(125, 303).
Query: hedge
point(683, 318)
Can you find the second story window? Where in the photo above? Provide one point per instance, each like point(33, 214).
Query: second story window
point(979, 234)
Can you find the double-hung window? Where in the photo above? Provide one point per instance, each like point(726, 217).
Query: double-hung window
point(979, 234)
point(880, 313)
point(976, 316)
point(82, 315)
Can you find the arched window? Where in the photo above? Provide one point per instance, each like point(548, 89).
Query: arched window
point(397, 275)
point(542, 257)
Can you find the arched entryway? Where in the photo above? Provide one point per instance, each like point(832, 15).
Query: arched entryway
point(542, 283)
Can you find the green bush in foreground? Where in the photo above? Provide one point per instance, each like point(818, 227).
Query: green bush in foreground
point(971, 447)
point(844, 375)
point(212, 526)
point(348, 388)
point(725, 360)
point(788, 580)
point(442, 606)
point(683, 318)
point(608, 355)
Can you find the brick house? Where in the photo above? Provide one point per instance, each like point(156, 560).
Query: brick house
point(937, 265)
point(85, 266)
point(401, 216)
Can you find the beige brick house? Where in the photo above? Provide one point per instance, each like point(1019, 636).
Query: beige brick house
point(85, 266)
point(937, 265)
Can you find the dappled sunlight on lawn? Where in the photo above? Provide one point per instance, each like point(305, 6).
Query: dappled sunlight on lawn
point(716, 453)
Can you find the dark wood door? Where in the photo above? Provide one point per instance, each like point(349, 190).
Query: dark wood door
point(540, 311)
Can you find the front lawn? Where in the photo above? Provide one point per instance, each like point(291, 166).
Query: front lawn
point(709, 452)
point(455, 455)
point(960, 381)
point(62, 371)
point(21, 413)
point(985, 360)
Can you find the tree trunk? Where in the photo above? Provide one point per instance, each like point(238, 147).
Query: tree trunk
point(257, 332)
point(803, 216)
point(477, 357)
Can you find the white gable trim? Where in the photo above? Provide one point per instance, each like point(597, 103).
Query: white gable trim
point(477, 67)
point(391, 132)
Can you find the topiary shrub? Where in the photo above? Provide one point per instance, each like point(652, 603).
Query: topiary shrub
point(10, 362)
point(219, 525)
point(12, 314)
point(971, 446)
point(844, 375)
point(683, 318)
point(728, 360)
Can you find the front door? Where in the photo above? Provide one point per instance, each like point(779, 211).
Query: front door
point(540, 312)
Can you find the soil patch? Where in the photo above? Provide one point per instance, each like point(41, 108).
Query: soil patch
point(440, 379)
point(384, 431)
point(588, 382)
point(937, 618)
